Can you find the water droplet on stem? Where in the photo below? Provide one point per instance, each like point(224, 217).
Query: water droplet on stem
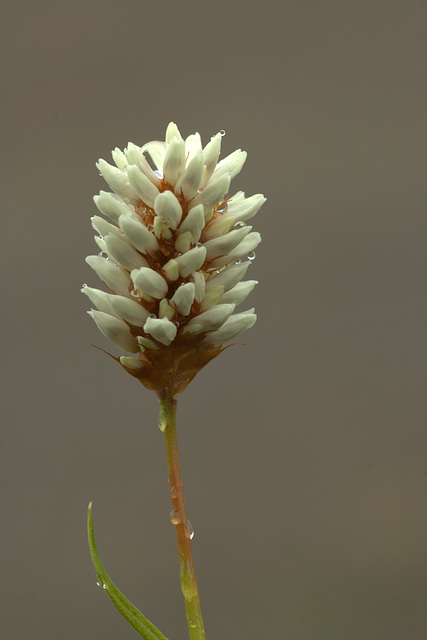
point(174, 517)
point(189, 530)
point(100, 581)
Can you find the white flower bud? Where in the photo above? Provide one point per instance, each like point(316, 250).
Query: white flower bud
point(243, 249)
point(135, 156)
point(232, 164)
point(219, 228)
point(224, 244)
point(129, 310)
point(174, 163)
point(194, 222)
point(214, 317)
point(183, 298)
point(131, 363)
point(171, 270)
point(167, 206)
point(142, 185)
point(111, 274)
point(240, 292)
point(191, 261)
point(200, 285)
point(184, 242)
point(101, 299)
point(172, 131)
point(210, 156)
point(150, 282)
point(213, 193)
point(165, 309)
point(193, 144)
point(242, 209)
point(138, 234)
point(119, 158)
point(229, 277)
point(117, 180)
point(189, 182)
point(103, 227)
point(111, 205)
point(162, 329)
point(232, 327)
point(123, 253)
point(146, 343)
point(115, 330)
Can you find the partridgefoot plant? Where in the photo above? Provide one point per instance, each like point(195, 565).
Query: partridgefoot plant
point(172, 256)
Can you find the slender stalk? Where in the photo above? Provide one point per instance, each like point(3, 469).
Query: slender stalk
point(178, 516)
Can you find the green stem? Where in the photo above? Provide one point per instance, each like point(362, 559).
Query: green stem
point(187, 574)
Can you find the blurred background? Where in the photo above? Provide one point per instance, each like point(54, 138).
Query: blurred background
point(304, 453)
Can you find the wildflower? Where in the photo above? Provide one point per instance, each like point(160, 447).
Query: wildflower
point(173, 256)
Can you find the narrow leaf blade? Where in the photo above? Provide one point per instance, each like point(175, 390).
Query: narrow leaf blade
point(135, 618)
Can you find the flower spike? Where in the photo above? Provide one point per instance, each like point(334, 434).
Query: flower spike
point(176, 250)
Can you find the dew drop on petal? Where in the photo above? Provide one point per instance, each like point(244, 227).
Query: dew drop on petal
point(150, 227)
point(192, 623)
point(251, 256)
point(152, 315)
point(239, 225)
point(84, 286)
point(222, 207)
point(174, 517)
point(222, 132)
point(152, 164)
point(237, 261)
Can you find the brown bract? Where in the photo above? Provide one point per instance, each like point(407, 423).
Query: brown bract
point(173, 367)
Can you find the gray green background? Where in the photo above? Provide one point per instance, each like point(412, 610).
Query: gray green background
point(303, 453)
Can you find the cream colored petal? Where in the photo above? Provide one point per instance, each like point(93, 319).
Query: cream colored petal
point(167, 206)
point(174, 161)
point(229, 277)
point(232, 327)
point(142, 185)
point(111, 274)
point(129, 310)
point(150, 282)
point(210, 156)
point(242, 209)
point(115, 330)
point(240, 292)
point(214, 317)
point(194, 222)
point(101, 299)
point(172, 131)
point(138, 234)
point(232, 164)
point(123, 253)
point(183, 298)
point(117, 180)
point(213, 193)
point(191, 261)
point(189, 182)
point(111, 205)
point(223, 245)
point(161, 329)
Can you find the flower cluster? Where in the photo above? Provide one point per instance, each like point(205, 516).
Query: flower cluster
point(173, 256)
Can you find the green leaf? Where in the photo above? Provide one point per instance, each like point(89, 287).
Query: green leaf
point(135, 618)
